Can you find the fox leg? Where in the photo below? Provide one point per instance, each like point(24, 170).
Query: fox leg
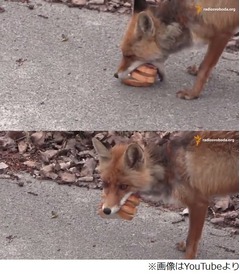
point(197, 214)
point(215, 49)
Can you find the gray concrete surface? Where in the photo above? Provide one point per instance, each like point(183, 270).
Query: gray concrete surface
point(27, 230)
point(70, 86)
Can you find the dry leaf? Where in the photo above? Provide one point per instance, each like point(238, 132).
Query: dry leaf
point(73, 169)
point(30, 163)
point(85, 179)
point(222, 203)
point(47, 155)
point(58, 137)
point(47, 172)
point(3, 166)
point(64, 165)
point(51, 175)
point(67, 177)
point(217, 220)
point(54, 215)
point(6, 142)
point(22, 147)
point(47, 168)
point(71, 145)
point(38, 138)
point(64, 38)
point(86, 153)
point(88, 168)
point(16, 135)
point(137, 137)
point(79, 2)
point(230, 214)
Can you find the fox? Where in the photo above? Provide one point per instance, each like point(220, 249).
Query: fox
point(191, 167)
point(157, 31)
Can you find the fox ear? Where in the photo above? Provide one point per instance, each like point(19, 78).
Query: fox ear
point(145, 24)
point(139, 5)
point(134, 157)
point(103, 153)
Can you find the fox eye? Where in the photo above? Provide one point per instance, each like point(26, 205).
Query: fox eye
point(105, 184)
point(128, 55)
point(123, 186)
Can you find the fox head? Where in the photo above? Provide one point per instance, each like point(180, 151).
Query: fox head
point(123, 170)
point(153, 33)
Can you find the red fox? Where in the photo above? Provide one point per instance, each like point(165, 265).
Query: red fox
point(191, 168)
point(155, 32)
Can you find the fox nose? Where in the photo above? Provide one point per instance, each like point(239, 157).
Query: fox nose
point(116, 75)
point(107, 210)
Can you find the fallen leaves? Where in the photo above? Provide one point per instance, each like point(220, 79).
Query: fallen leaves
point(30, 163)
point(3, 166)
point(22, 147)
point(222, 203)
point(67, 157)
point(88, 167)
point(38, 138)
point(67, 177)
point(119, 6)
point(79, 2)
point(47, 155)
point(48, 172)
point(225, 211)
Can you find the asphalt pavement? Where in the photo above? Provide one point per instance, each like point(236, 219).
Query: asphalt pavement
point(44, 220)
point(56, 73)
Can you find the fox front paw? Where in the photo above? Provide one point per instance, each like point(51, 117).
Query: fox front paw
point(192, 70)
point(181, 246)
point(186, 94)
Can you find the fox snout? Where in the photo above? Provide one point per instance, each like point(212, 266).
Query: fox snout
point(108, 210)
point(115, 75)
point(112, 203)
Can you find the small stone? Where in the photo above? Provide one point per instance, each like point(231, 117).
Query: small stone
point(96, 2)
point(217, 220)
point(30, 6)
point(86, 179)
point(21, 184)
point(128, 5)
point(79, 2)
